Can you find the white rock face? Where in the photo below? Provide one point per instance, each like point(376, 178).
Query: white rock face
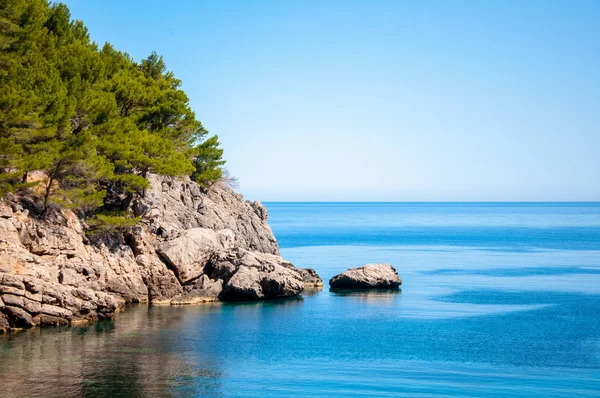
point(255, 276)
point(188, 254)
point(174, 205)
point(188, 248)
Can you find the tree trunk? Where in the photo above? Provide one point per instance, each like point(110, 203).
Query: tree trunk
point(47, 193)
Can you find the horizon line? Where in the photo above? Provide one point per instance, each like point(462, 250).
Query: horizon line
point(435, 201)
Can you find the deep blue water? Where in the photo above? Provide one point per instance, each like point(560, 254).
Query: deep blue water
point(498, 299)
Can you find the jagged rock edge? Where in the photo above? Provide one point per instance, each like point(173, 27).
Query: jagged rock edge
point(95, 282)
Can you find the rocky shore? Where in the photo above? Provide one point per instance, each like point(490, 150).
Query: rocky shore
point(191, 246)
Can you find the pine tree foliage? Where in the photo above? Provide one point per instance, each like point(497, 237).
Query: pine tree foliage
point(208, 162)
point(92, 119)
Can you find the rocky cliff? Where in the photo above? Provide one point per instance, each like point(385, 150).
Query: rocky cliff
point(190, 246)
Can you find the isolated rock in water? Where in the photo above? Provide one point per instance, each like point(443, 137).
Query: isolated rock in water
point(370, 276)
point(255, 276)
point(310, 277)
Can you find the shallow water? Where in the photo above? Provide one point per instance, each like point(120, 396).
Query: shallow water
point(498, 300)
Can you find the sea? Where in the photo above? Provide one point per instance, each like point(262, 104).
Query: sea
point(497, 300)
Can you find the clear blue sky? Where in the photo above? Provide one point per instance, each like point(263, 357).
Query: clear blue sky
point(383, 100)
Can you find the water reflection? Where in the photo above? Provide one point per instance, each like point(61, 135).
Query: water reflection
point(284, 301)
point(128, 356)
point(378, 295)
point(312, 290)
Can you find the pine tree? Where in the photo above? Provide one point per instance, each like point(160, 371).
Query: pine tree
point(93, 120)
point(208, 162)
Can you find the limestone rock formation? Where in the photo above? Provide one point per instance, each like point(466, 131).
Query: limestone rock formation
point(310, 277)
point(370, 276)
point(188, 253)
point(255, 276)
point(174, 205)
point(191, 246)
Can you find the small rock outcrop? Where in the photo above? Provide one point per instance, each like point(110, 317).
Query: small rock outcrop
point(191, 246)
point(370, 276)
point(310, 277)
point(255, 276)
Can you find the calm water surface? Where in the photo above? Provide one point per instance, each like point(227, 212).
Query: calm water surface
point(498, 300)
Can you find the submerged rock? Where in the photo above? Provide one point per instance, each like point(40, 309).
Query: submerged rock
point(370, 276)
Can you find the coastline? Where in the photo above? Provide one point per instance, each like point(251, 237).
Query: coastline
point(191, 247)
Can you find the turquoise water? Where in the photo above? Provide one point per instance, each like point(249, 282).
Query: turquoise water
point(498, 300)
